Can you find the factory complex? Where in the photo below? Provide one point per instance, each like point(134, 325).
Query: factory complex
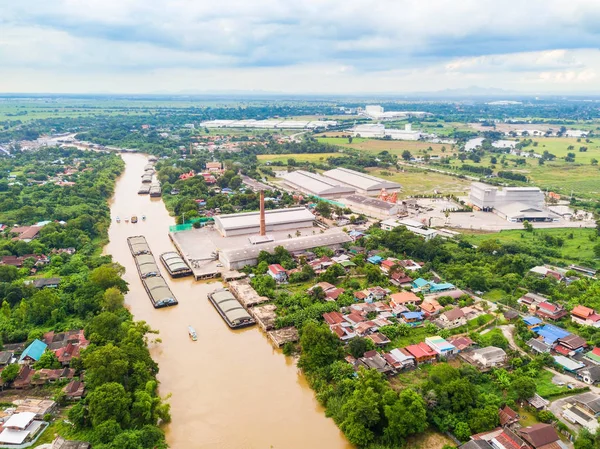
point(362, 182)
point(315, 184)
point(379, 131)
point(515, 204)
point(270, 124)
point(275, 220)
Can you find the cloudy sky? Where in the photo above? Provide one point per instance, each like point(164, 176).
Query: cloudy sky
point(309, 46)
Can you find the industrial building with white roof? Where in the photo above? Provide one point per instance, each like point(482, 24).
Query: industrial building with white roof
point(315, 184)
point(363, 183)
point(276, 220)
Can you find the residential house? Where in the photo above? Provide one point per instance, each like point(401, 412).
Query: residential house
point(372, 359)
point(569, 344)
point(430, 307)
point(365, 328)
point(33, 352)
point(74, 390)
point(489, 357)
point(589, 403)
point(25, 233)
point(40, 407)
point(425, 286)
point(404, 299)
point(378, 338)
point(410, 265)
point(18, 428)
point(532, 322)
point(544, 272)
point(377, 293)
point(5, 358)
point(278, 273)
point(550, 333)
point(540, 436)
point(412, 318)
point(343, 332)
point(400, 359)
point(510, 314)
point(593, 356)
point(23, 379)
point(421, 352)
point(538, 402)
point(333, 294)
point(550, 311)
point(585, 316)
point(531, 299)
point(568, 364)
point(461, 343)
point(400, 279)
point(388, 264)
point(325, 286)
point(354, 318)
point(539, 346)
point(590, 374)
point(452, 318)
point(375, 260)
point(321, 264)
point(46, 283)
point(508, 416)
point(440, 346)
point(333, 318)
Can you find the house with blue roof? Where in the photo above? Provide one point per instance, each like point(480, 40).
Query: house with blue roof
point(33, 352)
point(375, 260)
point(412, 318)
point(430, 286)
point(441, 346)
point(551, 333)
point(532, 321)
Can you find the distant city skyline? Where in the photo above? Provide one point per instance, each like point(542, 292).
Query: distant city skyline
point(326, 46)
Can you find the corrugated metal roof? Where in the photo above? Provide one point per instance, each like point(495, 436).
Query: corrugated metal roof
point(315, 183)
point(360, 180)
point(272, 217)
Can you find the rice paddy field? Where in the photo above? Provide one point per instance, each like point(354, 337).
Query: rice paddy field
point(298, 157)
point(377, 145)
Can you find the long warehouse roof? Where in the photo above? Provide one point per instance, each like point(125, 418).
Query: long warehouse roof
point(272, 217)
point(315, 183)
point(292, 245)
point(360, 180)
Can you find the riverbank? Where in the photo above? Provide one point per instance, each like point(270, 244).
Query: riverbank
point(225, 379)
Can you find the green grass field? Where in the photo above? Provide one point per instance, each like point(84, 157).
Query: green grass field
point(416, 181)
point(377, 145)
point(299, 157)
point(545, 386)
point(578, 249)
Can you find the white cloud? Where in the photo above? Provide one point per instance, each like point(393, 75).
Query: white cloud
point(314, 45)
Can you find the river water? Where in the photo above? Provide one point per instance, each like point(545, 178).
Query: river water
point(229, 389)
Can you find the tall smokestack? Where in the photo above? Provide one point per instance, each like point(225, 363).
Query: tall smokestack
point(263, 224)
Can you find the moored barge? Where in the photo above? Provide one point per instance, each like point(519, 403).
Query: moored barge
point(175, 264)
point(144, 189)
point(230, 309)
point(155, 190)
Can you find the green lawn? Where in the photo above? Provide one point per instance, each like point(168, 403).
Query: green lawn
point(578, 249)
point(545, 387)
point(378, 145)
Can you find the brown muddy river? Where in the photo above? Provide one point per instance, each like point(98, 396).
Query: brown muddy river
point(229, 390)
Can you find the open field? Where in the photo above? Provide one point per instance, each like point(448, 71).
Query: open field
point(415, 181)
point(377, 145)
point(299, 157)
point(578, 249)
point(428, 440)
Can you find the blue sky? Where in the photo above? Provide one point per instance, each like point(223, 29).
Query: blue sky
point(324, 46)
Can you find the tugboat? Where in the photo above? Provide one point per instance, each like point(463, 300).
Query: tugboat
point(192, 333)
point(134, 218)
point(118, 220)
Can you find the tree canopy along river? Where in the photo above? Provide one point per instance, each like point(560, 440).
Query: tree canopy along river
point(230, 389)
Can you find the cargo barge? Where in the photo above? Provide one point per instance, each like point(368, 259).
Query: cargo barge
point(146, 178)
point(155, 190)
point(144, 189)
point(230, 309)
point(158, 291)
point(175, 264)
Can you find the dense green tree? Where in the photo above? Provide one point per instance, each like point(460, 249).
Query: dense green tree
point(109, 401)
point(406, 416)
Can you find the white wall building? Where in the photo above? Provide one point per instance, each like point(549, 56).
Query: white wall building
point(276, 220)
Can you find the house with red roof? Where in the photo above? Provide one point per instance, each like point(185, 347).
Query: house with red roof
point(333, 318)
point(278, 273)
point(550, 311)
point(354, 318)
point(333, 294)
point(387, 265)
point(430, 307)
point(379, 339)
point(585, 316)
point(421, 352)
point(343, 332)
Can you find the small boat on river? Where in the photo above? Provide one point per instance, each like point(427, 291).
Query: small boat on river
point(143, 218)
point(134, 219)
point(126, 219)
point(192, 333)
point(118, 220)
